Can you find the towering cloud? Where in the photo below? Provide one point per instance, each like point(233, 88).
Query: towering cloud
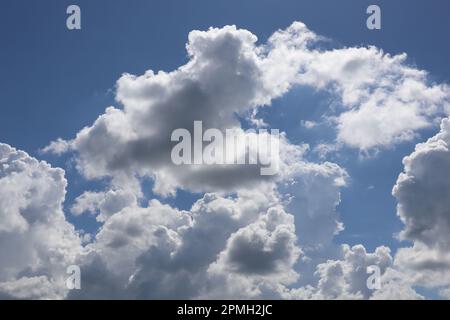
point(37, 244)
point(422, 192)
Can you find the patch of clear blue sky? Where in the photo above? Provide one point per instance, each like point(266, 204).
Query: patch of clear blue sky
point(54, 81)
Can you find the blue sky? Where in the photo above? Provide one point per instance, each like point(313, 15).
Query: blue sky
point(55, 81)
